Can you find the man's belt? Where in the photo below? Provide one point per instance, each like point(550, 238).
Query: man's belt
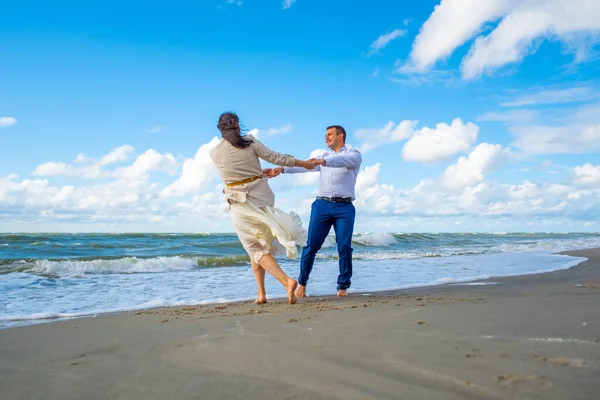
point(243, 182)
point(335, 199)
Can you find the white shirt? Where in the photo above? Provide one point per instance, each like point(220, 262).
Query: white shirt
point(338, 175)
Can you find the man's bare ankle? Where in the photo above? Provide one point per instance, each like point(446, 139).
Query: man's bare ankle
point(301, 291)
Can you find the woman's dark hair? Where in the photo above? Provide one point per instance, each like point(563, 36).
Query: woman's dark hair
point(229, 125)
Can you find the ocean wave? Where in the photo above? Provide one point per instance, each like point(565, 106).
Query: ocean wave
point(120, 265)
point(373, 239)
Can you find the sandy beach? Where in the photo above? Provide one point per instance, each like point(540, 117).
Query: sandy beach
point(526, 337)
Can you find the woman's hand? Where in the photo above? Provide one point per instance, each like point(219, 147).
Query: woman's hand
point(308, 164)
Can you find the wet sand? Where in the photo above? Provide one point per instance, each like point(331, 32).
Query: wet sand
point(527, 337)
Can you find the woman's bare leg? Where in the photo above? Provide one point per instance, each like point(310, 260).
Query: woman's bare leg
point(271, 266)
point(259, 275)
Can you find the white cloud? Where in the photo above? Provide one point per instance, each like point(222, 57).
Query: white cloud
point(280, 130)
point(442, 33)
point(197, 172)
point(509, 116)
point(485, 202)
point(236, 2)
point(390, 133)
point(375, 198)
point(128, 201)
point(446, 78)
point(81, 158)
point(258, 133)
point(52, 169)
point(7, 121)
point(367, 177)
point(62, 169)
point(117, 154)
point(157, 129)
point(287, 4)
point(469, 171)
point(539, 139)
point(134, 204)
point(552, 129)
point(431, 145)
point(587, 174)
point(384, 40)
point(553, 96)
point(150, 160)
point(522, 24)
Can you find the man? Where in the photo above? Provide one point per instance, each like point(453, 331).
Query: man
point(333, 206)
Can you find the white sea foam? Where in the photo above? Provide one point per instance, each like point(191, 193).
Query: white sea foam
point(126, 265)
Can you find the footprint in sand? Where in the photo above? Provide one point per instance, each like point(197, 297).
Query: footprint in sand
point(569, 362)
point(510, 380)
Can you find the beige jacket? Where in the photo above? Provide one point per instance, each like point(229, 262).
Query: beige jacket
point(236, 164)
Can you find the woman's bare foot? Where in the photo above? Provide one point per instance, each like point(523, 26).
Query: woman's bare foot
point(261, 299)
point(290, 288)
point(342, 293)
point(301, 291)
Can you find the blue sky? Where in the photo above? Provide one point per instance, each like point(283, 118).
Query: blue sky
point(471, 116)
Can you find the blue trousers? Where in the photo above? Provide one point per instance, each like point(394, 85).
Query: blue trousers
point(323, 216)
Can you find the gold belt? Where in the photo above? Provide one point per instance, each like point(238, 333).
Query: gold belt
point(242, 182)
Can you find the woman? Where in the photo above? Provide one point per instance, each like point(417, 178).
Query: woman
point(258, 224)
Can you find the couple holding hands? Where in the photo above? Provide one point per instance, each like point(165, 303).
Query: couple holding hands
point(263, 229)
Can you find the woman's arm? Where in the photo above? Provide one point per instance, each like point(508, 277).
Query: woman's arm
point(281, 159)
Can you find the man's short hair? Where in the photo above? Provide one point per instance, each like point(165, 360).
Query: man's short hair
point(339, 130)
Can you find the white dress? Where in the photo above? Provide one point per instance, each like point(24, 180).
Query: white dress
point(264, 230)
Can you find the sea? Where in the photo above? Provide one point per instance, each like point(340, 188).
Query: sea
point(56, 276)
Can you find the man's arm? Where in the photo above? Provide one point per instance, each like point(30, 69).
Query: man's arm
point(273, 172)
point(297, 170)
point(351, 159)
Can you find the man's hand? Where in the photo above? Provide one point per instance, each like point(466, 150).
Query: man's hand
point(272, 172)
point(267, 172)
point(318, 161)
point(309, 164)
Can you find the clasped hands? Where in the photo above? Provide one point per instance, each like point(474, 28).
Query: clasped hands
point(309, 164)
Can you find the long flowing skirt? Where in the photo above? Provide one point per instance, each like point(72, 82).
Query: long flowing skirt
point(267, 230)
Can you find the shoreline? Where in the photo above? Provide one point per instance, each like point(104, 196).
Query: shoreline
point(279, 299)
point(52, 319)
point(527, 337)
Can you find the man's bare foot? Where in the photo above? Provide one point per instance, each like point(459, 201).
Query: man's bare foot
point(301, 291)
point(261, 299)
point(291, 287)
point(342, 293)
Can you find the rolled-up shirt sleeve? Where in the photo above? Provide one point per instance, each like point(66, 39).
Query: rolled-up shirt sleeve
point(350, 159)
point(271, 156)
